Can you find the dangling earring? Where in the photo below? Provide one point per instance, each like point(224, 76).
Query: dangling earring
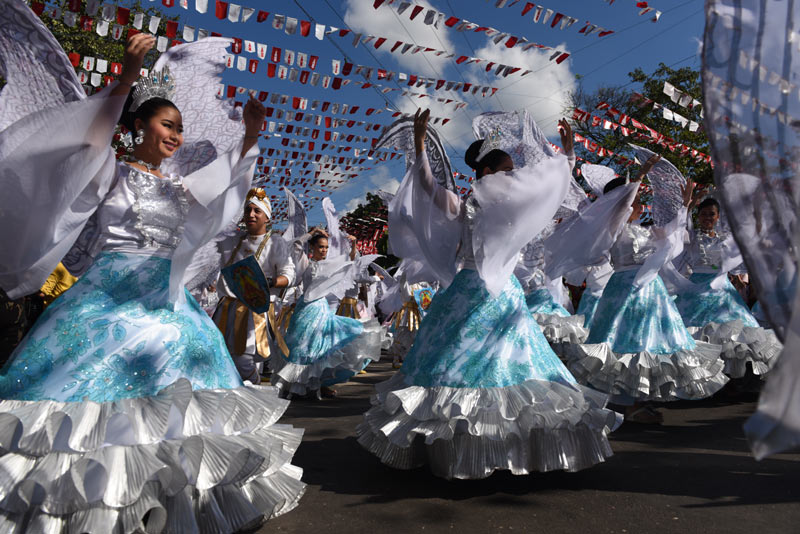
point(139, 137)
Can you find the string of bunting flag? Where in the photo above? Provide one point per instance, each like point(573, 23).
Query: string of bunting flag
point(646, 133)
point(643, 8)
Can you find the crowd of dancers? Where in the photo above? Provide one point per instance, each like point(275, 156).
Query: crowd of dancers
point(134, 401)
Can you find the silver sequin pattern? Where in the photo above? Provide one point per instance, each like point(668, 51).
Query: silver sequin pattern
point(632, 247)
point(160, 208)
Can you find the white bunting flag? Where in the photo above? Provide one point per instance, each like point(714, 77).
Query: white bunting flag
point(153, 24)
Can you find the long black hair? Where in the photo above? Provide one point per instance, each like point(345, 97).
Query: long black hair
point(144, 112)
point(493, 159)
point(613, 184)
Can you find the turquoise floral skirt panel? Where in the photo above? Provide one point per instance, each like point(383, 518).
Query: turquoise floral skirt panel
point(634, 320)
point(315, 332)
point(470, 339)
point(587, 308)
point(541, 301)
point(114, 335)
point(713, 305)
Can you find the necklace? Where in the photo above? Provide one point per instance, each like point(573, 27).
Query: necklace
point(148, 166)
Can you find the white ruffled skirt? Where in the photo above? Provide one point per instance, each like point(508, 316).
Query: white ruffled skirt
point(721, 317)
point(324, 348)
point(639, 349)
point(101, 431)
point(481, 390)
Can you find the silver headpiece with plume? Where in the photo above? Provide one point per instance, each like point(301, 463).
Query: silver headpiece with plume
point(159, 83)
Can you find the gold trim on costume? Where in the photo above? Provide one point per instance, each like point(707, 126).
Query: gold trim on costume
point(408, 316)
point(240, 321)
point(348, 307)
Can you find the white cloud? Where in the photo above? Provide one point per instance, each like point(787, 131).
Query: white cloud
point(380, 179)
point(360, 16)
point(383, 179)
point(544, 92)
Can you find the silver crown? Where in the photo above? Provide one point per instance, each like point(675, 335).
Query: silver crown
point(491, 142)
point(158, 83)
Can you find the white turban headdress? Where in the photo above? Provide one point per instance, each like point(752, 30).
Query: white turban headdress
point(258, 197)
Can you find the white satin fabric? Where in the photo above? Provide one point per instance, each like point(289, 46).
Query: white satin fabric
point(57, 167)
point(586, 239)
point(717, 255)
point(426, 220)
point(329, 277)
point(599, 233)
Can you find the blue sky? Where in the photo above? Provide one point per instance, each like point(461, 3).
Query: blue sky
point(636, 42)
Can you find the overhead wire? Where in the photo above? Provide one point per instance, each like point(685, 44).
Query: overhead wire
point(380, 63)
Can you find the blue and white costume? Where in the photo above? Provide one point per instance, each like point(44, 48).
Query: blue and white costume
point(122, 408)
point(324, 348)
point(638, 348)
point(480, 389)
point(596, 278)
point(715, 312)
point(557, 324)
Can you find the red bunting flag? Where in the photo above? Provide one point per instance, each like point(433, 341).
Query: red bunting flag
point(123, 15)
point(221, 10)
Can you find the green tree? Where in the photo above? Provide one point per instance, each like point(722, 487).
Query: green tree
point(89, 43)
point(365, 220)
point(624, 100)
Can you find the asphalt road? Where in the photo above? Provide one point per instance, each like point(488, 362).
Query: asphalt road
point(692, 474)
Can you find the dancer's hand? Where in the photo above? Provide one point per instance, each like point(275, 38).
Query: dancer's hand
point(700, 192)
point(136, 48)
point(648, 165)
point(687, 191)
point(566, 136)
point(420, 129)
point(253, 115)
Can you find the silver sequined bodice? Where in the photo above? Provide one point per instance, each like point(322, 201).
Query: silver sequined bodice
point(142, 214)
point(160, 208)
point(705, 252)
point(633, 246)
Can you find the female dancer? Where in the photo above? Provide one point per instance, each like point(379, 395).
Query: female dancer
point(324, 348)
point(710, 306)
point(122, 408)
point(638, 348)
point(480, 388)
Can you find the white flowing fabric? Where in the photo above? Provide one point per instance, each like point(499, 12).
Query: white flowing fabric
point(426, 219)
point(775, 427)
point(338, 244)
point(668, 246)
point(334, 276)
point(586, 239)
point(61, 182)
point(56, 166)
point(425, 222)
point(296, 216)
point(677, 283)
point(514, 207)
point(751, 113)
point(37, 73)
